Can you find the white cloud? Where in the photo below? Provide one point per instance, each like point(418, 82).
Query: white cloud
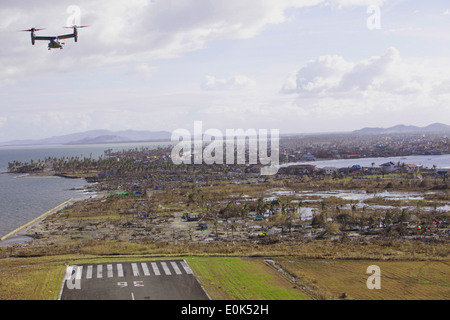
point(132, 30)
point(332, 75)
point(143, 69)
point(332, 85)
point(2, 121)
point(346, 3)
point(237, 82)
point(322, 74)
point(101, 76)
point(129, 31)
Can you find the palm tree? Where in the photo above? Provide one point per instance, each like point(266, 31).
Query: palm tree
point(215, 223)
point(323, 206)
point(353, 211)
point(404, 215)
point(362, 216)
point(274, 204)
point(233, 228)
point(244, 211)
point(388, 218)
point(261, 205)
point(284, 205)
point(300, 204)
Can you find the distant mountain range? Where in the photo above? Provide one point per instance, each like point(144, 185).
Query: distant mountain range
point(435, 127)
point(107, 136)
point(96, 137)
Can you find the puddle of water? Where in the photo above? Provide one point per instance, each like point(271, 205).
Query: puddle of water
point(354, 195)
point(306, 213)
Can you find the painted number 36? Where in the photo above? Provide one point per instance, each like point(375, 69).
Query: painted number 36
point(135, 283)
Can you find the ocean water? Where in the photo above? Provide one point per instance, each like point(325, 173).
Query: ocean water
point(28, 153)
point(427, 161)
point(23, 197)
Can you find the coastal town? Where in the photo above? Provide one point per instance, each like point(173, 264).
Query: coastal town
point(149, 199)
point(233, 151)
point(297, 154)
point(137, 203)
point(354, 146)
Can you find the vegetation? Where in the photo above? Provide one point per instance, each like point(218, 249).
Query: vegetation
point(340, 222)
point(400, 280)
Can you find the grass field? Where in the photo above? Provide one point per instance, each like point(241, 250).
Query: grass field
point(238, 278)
point(223, 278)
point(243, 279)
point(400, 280)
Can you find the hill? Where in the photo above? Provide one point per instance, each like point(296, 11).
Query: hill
point(95, 137)
point(435, 127)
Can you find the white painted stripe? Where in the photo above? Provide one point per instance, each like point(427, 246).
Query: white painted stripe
point(69, 271)
point(99, 271)
point(155, 269)
point(109, 268)
point(79, 272)
point(119, 270)
point(135, 269)
point(89, 272)
point(175, 267)
point(166, 268)
point(145, 268)
point(186, 267)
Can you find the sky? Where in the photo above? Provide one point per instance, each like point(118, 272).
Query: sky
point(300, 66)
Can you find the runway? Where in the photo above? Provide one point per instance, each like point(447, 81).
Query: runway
point(141, 280)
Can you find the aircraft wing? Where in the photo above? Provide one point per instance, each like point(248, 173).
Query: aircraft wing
point(44, 38)
point(66, 36)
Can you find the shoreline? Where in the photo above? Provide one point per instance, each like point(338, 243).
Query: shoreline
point(15, 239)
point(426, 161)
point(21, 238)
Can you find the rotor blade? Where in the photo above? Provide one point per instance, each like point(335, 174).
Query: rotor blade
point(32, 29)
point(76, 27)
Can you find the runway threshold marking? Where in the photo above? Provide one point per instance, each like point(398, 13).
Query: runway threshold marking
point(89, 272)
point(135, 269)
point(119, 270)
point(175, 267)
point(166, 268)
point(109, 268)
point(123, 275)
point(186, 267)
point(155, 269)
point(145, 269)
point(99, 271)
